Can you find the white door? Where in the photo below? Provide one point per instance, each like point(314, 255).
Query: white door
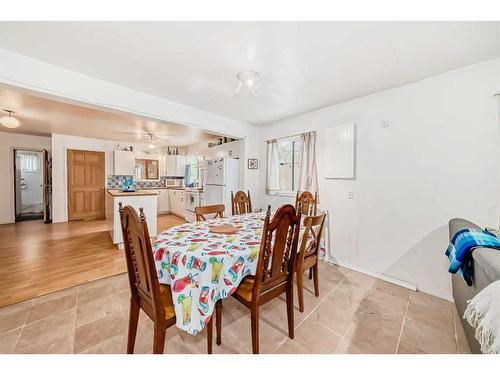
point(215, 172)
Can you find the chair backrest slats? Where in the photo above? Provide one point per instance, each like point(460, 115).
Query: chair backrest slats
point(241, 203)
point(278, 248)
point(311, 239)
point(217, 210)
point(143, 280)
point(306, 203)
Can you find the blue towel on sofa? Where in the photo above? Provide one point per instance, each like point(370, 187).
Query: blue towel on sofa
point(460, 249)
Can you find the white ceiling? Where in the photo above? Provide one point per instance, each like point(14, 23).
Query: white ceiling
point(41, 116)
point(304, 65)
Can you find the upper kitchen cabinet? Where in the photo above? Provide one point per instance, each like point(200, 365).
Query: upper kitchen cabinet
point(174, 165)
point(124, 163)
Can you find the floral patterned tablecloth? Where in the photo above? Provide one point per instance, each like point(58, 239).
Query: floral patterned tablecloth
point(203, 267)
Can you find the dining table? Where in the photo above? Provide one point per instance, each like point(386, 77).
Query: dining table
point(203, 267)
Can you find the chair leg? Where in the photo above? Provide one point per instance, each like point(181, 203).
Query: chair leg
point(218, 321)
point(300, 289)
point(254, 313)
point(132, 325)
point(209, 335)
point(159, 338)
point(310, 273)
point(316, 279)
point(289, 310)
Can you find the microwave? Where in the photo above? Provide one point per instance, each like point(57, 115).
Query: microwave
point(173, 182)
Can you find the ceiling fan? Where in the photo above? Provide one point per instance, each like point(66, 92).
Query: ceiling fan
point(151, 138)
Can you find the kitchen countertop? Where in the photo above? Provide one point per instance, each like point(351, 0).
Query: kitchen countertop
point(163, 187)
point(119, 193)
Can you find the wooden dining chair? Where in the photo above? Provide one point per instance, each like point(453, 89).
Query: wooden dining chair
point(306, 203)
point(307, 258)
point(241, 203)
point(274, 272)
point(146, 292)
point(216, 209)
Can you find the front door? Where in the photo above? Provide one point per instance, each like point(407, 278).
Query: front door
point(85, 185)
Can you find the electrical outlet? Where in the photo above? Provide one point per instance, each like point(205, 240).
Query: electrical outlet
point(350, 194)
point(384, 124)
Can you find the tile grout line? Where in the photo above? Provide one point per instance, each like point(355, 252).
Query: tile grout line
point(403, 321)
point(41, 320)
point(308, 315)
point(316, 307)
point(20, 333)
point(321, 300)
point(347, 330)
point(350, 325)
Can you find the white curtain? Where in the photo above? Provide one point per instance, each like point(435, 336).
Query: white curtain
point(30, 161)
point(272, 167)
point(308, 179)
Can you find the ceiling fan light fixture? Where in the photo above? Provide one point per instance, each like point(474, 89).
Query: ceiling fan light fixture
point(248, 80)
point(9, 121)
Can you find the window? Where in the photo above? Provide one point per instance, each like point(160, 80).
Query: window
point(30, 161)
point(146, 169)
point(288, 164)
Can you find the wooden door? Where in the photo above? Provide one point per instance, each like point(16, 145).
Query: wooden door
point(46, 188)
point(86, 185)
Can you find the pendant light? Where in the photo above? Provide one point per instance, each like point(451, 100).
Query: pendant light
point(9, 121)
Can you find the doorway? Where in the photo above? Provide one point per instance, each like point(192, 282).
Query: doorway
point(31, 173)
point(86, 181)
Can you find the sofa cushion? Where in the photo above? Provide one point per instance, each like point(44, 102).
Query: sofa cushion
point(489, 261)
point(458, 224)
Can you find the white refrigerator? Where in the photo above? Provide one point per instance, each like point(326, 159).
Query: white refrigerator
point(221, 177)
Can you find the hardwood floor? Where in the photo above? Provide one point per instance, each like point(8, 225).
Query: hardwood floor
point(38, 258)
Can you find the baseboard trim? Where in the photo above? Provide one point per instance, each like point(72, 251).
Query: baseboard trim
point(380, 276)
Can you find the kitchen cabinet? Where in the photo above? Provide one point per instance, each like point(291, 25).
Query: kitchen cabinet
point(177, 201)
point(124, 163)
point(180, 165)
point(174, 165)
point(154, 192)
point(163, 200)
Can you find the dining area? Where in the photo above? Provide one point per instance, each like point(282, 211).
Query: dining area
point(197, 276)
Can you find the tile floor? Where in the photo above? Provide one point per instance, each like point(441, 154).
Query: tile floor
point(355, 313)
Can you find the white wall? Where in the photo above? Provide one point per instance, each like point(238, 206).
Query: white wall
point(8, 142)
point(52, 81)
point(438, 159)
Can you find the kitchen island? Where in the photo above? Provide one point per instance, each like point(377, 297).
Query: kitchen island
point(147, 199)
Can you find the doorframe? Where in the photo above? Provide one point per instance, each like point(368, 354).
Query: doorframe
point(66, 169)
point(13, 164)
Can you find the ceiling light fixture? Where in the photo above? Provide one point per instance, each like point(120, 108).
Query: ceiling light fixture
point(151, 143)
point(248, 80)
point(9, 121)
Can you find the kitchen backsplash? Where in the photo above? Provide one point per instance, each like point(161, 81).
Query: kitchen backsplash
point(116, 182)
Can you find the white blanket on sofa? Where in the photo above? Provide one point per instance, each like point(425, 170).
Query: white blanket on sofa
point(483, 314)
